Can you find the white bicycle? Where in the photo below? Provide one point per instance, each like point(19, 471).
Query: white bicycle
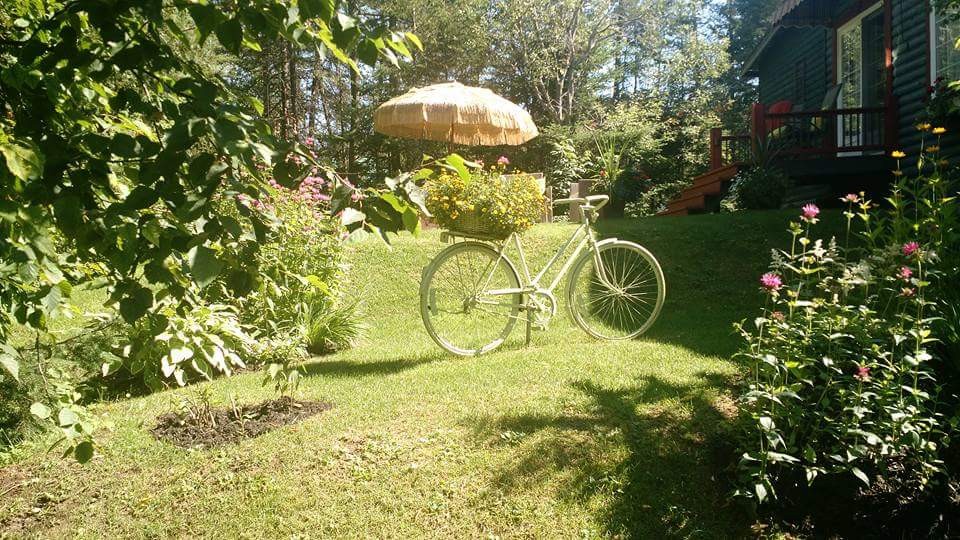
point(471, 296)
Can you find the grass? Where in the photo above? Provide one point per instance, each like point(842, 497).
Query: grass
point(569, 437)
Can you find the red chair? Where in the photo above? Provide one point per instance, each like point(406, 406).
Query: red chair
point(779, 107)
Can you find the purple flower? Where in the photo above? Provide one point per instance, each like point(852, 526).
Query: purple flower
point(910, 248)
point(771, 281)
point(905, 273)
point(503, 160)
point(810, 212)
point(863, 373)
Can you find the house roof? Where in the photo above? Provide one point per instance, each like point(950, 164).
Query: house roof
point(789, 14)
point(782, 11)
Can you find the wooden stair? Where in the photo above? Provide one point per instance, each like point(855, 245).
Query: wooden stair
point(704, 189)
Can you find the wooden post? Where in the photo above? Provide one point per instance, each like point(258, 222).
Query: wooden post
point(574, 211)
point(758, 125)
point(716, 148)
point(548, 211)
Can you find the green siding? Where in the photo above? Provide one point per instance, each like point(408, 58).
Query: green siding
point(809, 47)
point(815, 47)
point(911, 75)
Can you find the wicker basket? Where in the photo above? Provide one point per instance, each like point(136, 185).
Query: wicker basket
point(470, 224)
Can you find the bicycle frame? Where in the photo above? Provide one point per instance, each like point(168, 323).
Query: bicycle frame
point(583, 234)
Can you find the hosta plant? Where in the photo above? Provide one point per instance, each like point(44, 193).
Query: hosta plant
point(843, 359)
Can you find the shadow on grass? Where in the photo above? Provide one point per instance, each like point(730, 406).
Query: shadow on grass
point(350, 368)
point(654, 453)
point(711, 264)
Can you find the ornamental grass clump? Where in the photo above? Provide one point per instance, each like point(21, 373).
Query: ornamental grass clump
point(486, 201)
point(849, 374)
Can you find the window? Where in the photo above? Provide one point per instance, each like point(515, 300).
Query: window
point(945, 58)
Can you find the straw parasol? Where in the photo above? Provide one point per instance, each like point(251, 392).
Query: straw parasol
point(455, 114)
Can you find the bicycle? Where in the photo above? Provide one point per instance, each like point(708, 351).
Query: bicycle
point(471, 296)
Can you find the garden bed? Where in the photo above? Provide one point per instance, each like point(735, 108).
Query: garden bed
point(218, 427)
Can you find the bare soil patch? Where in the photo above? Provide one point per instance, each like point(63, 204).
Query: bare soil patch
point(218, 427)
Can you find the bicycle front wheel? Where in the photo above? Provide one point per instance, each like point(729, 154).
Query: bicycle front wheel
point(621, 299)
point(456, 302)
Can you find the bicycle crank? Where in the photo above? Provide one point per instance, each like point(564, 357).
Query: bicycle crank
point(541, 307)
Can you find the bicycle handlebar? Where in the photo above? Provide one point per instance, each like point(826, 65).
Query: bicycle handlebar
point(593, 201)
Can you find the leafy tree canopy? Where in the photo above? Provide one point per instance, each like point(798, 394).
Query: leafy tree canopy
point(121, 157)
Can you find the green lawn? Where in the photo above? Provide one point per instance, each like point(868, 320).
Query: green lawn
point(567, 438)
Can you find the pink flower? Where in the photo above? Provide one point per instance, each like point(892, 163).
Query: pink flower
point(502, 160)
point(910, 248)
point(810, 212)
point(852, 198)
point(323, 197)
point(778, 316)
point(863, 373)
point(771, 281)
point(309, 141)
point(905, 273)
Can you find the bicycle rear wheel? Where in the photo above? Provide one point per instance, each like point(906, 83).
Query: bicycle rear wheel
point(457, 308)
point(623, 302)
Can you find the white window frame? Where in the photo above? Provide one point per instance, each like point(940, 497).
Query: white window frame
point(857, 20)
point(934, 58)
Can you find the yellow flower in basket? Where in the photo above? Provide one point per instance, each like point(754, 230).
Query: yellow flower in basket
point(491, 205)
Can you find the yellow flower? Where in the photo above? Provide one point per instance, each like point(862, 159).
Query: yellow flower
point(924, 127)
point(898, 154)
point(933, 149)
point(898, 172)
point(939, 130)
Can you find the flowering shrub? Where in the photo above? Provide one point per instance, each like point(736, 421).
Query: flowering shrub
point(499, 206)
point(844, 357)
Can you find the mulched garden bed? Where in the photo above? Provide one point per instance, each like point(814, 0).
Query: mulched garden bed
point(218, 427)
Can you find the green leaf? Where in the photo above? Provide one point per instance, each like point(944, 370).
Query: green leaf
point(10, 364)
point(83, 452)
point(135, 304)
point(255, 103)
point(322, 9)
point(761, 491)
point(230, 35)
point(24, 162)
point(67, 417)
point(861, 475)
point(459, 165)
point(411, 221)
point(203, 264)
point(40, 410)
point(412, 38)
point(326, 36)
point(206, 17)
point(351, 216)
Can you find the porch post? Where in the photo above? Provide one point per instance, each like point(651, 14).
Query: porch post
point(758, 125)
point(716, 148)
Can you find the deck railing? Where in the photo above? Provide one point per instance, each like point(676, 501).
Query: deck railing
point(835, 133)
